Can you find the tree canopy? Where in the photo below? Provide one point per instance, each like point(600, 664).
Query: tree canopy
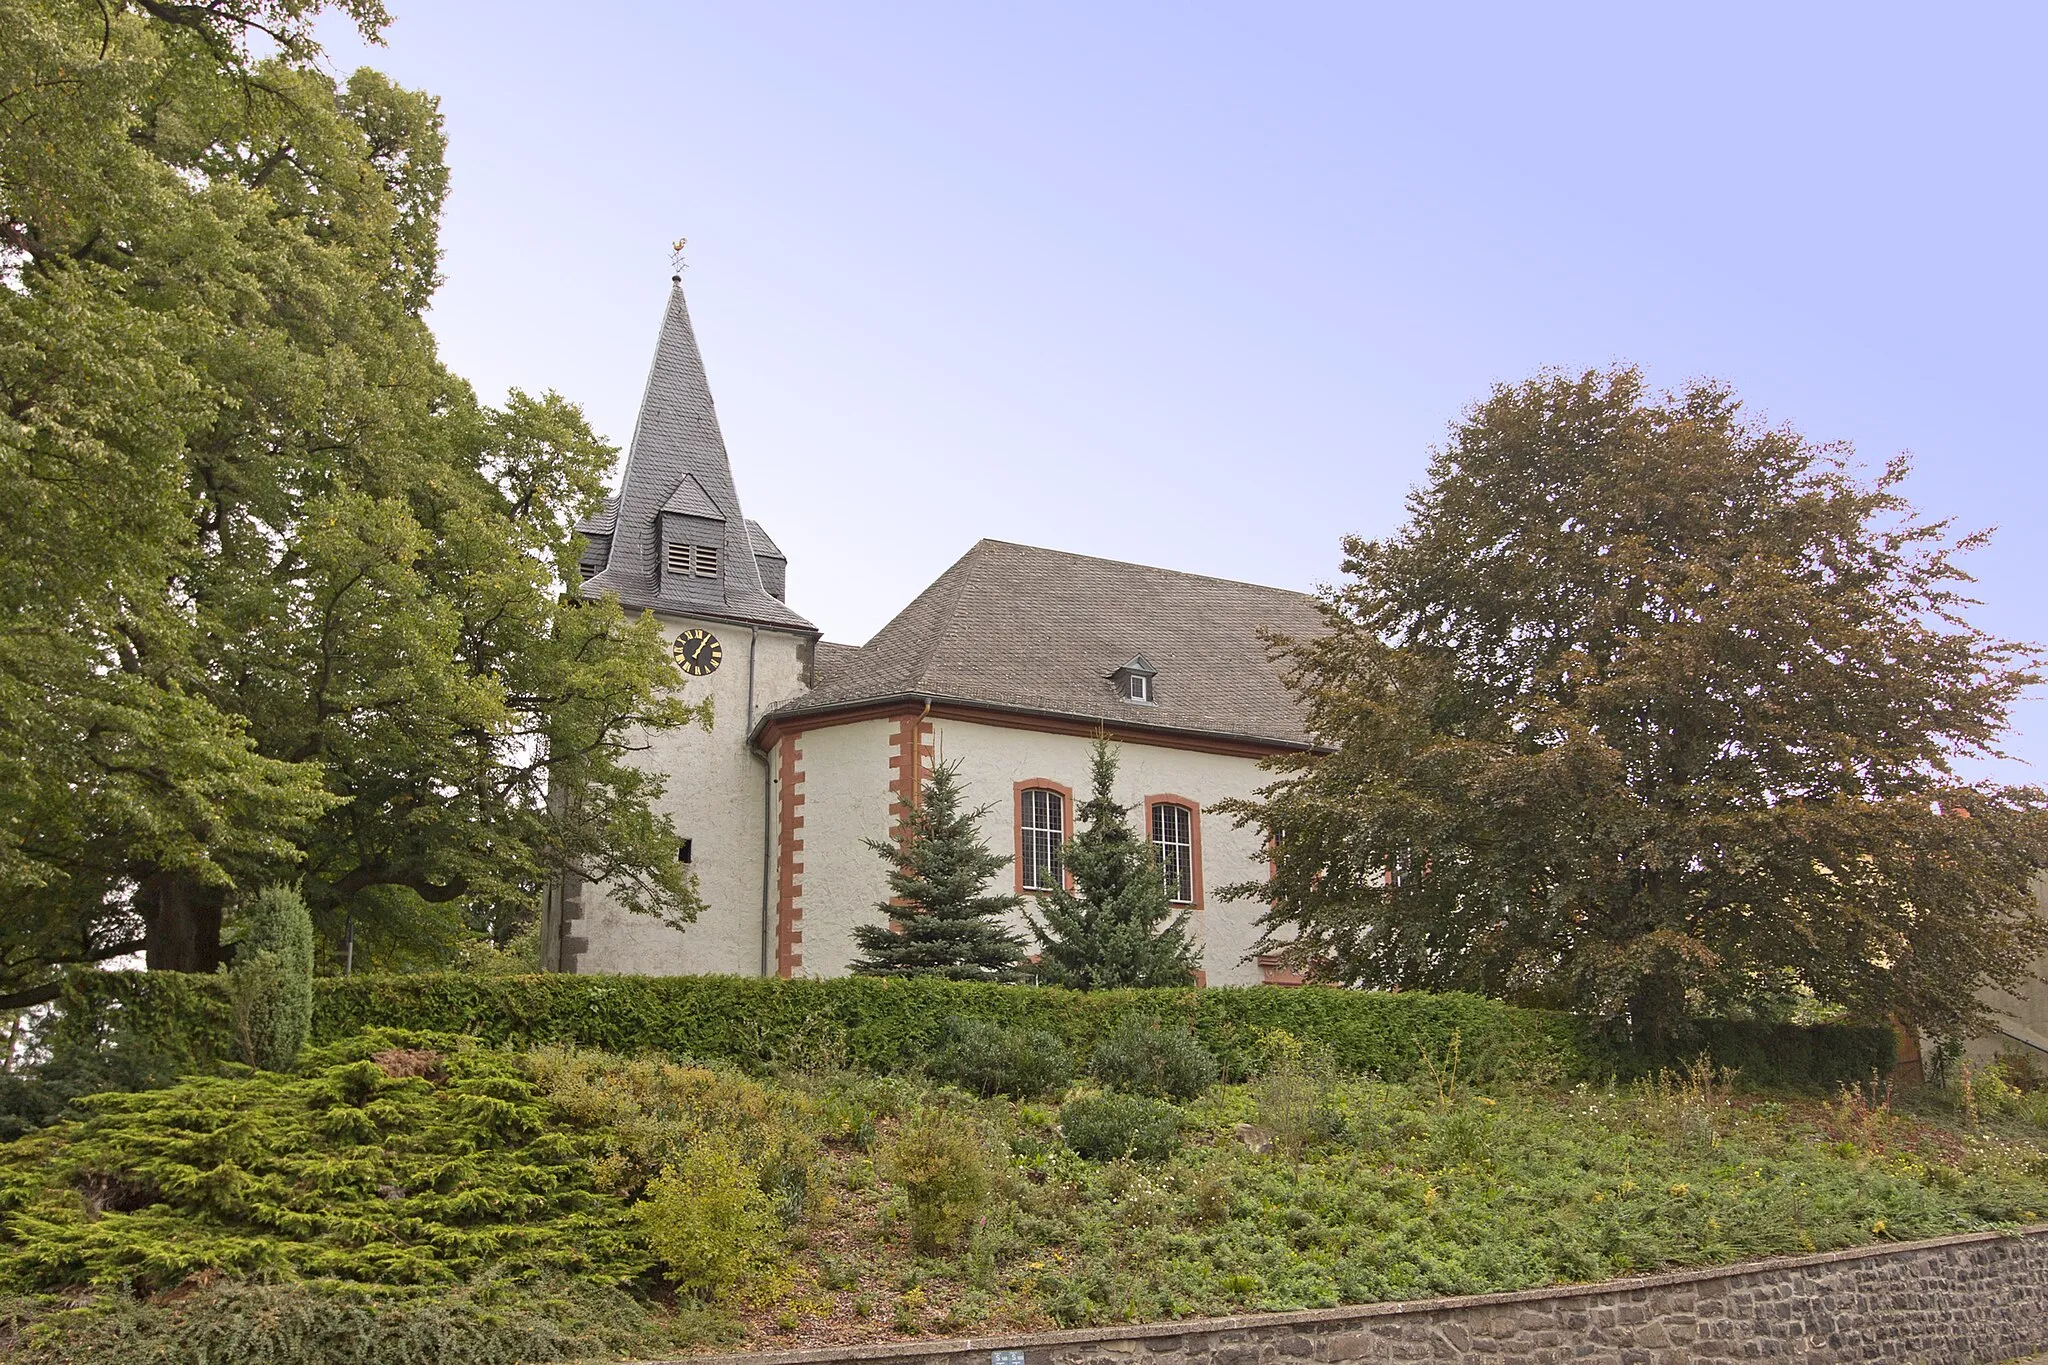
point(284, 599)
point(1115, 927)
point(1650, 710)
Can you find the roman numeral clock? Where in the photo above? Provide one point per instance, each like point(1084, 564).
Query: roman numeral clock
point(698, 652)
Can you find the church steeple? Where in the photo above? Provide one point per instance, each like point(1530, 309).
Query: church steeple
point(675, 538)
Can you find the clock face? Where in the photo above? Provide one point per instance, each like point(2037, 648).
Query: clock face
point(698, 652)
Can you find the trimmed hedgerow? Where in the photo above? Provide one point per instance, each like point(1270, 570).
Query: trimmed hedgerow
point(891, 1024)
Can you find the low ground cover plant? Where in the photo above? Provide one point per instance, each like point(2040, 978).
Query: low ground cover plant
point(816, 1205)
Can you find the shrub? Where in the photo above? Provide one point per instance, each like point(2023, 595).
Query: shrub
point(342, 1170)
point(330, 1323)
point(988, 1059)
point(645, 1112)
point(271, 983)
point(939, 1161)
point(1292, 1094)
point(1144, 1057)
point(1107, 1127)
point(712, 1225)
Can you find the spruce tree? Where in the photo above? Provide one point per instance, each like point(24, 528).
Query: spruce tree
point(1115, 928)
point(944, 922)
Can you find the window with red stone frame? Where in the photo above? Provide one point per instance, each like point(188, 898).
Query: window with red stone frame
point(1044, 822)
point(1174, 824)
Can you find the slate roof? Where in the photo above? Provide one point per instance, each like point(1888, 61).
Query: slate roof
point(677, 463)
point(1019, 628)
point(599, 523)
point(832, 663)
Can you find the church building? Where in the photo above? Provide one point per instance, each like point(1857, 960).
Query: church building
point(1009, 664)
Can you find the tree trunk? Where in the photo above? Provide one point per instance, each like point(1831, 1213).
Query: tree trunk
point(1656, 1012)
point(182, 918)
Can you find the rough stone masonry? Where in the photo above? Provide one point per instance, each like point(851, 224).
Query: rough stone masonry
point(1973, 1299)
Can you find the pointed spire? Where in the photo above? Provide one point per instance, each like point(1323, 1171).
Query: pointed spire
point(678, 488)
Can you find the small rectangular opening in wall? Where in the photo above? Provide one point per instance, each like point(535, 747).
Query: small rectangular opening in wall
point(683, 851)
point(707, 561)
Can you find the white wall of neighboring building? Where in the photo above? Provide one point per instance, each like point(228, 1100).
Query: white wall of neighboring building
point(2020, 1021)
point(846, 801)
point(715, 790)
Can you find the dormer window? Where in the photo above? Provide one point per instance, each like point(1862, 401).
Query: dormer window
point(1134, 682)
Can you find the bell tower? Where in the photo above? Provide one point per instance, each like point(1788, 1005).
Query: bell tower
point(674, 542)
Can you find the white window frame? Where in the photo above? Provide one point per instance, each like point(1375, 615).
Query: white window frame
point(1138, 687)
point(1041, 835)
point(1175, 849)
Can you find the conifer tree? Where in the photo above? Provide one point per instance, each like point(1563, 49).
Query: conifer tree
point(271, 983)
point(1115, 928)
point(944, 921)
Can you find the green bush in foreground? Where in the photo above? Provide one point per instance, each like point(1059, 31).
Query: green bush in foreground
point(939, 1161)
point(711, 1223)
point(1145, 1057)
point(325, 1323)
point(988, 1059)
point(392, 1158)
point(1110, 1127)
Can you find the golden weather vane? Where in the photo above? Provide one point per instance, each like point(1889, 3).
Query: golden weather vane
point(675, 255)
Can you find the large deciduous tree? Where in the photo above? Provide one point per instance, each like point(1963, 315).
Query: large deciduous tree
point(282, 598)
point(1652, 711)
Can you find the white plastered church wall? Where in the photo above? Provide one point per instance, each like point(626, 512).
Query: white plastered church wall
point(846, 802)
point(714, 794)
point(992, 760)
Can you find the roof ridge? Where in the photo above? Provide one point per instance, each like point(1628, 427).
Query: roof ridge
point(1134, 564)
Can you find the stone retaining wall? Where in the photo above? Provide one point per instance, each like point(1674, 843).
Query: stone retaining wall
point(1969, 1300)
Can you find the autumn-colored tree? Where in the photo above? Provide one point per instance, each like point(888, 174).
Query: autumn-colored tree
point(1651, 711)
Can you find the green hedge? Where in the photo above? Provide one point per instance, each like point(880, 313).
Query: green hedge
point(887, 1024)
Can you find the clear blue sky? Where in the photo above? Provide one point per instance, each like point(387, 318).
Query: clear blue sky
point(1199, 286)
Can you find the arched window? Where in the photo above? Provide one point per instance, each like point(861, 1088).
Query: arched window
point(1177, 845)
point(1041, 833)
